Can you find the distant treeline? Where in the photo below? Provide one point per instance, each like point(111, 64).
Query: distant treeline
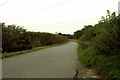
point(100, 45)
point(67, 35)
point(16, 38)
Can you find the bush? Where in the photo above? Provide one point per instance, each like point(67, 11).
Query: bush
point(108, 38)
point(16, 38)
point(89, 33)
point(103, 53)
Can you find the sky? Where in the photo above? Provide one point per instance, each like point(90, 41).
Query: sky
point(65, 16)
point(119, 7)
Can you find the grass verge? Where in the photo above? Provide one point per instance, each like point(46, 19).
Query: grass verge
point(7, 55)
point(105, 66)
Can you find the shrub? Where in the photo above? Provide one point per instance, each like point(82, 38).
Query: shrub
point(16, 38)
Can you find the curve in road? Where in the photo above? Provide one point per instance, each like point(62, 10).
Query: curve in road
point(55, 62)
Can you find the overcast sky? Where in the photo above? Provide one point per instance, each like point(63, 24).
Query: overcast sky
point(65, 16)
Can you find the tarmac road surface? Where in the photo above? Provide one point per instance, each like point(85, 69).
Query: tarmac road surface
point(54, 62)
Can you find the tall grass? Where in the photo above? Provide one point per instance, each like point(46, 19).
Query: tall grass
point(106, 66)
